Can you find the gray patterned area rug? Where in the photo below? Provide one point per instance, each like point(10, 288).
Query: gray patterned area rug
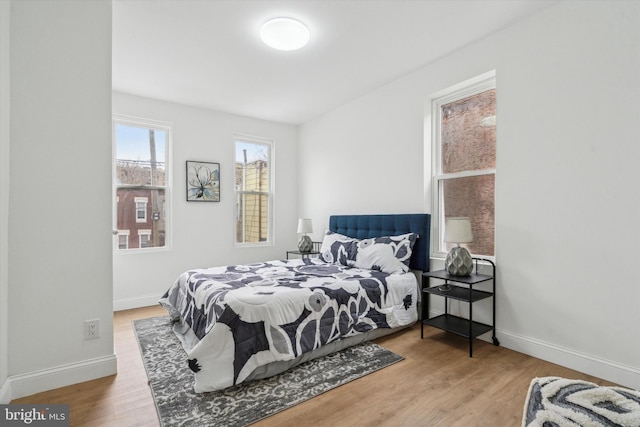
point(561, 402)
point(171, 381)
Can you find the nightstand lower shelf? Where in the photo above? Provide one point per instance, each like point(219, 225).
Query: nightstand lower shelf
point(458, 325)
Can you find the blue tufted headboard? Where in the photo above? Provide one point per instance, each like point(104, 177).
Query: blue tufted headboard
point(367, 226)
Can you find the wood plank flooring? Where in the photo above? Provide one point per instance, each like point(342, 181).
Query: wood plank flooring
point(436, 385)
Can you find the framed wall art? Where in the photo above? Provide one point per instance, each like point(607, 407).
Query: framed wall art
point(203, 181)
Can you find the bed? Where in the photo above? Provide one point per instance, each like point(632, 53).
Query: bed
point(245, 322)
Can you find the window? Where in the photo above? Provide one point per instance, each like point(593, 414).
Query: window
point(253, 190)
point(141, 209)
point(144, 238)
point(464, 161)
point(123, 239)
point(140, 183)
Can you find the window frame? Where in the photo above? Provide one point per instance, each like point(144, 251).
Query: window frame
point(270, 193)
point(166, 213)
point(123, 233)
point(473, 86)
point(144, 232)
point(144, 201)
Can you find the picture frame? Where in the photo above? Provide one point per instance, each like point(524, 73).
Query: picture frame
point(203, 181)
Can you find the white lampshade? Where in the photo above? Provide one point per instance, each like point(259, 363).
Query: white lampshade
point(458, 230)
point(304, 225)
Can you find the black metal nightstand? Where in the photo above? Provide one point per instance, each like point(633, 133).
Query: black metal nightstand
point(449, 322)
point(302, 254)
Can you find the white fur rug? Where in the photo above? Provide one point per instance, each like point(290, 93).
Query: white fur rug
point(561, 402)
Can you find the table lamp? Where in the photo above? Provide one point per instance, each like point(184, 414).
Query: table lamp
point(305, 244)
point(458, 230)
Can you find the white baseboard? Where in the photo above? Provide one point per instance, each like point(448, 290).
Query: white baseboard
point(624, 375)
point(627, 376)
point(5, 392)
point(137, 302)
point(48, 379)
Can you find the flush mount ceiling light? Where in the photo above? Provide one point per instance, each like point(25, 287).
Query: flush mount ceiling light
point(284, 34)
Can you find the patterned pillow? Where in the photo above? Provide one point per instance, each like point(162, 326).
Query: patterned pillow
point(390, 254)
point(338, 249)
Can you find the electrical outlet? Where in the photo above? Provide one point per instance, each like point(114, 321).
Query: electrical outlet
point(91, 329)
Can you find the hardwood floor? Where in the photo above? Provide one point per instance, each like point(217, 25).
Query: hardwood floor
point(436, 385)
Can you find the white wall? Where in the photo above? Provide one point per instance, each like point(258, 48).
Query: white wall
point(59, 210)
point(364, 157)
point(568, 88)
point(202, 233)
point(5, 11)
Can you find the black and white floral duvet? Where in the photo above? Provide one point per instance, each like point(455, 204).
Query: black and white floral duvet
point(234, 319)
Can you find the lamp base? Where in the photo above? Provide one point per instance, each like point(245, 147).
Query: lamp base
point(459, 262)
point(305, 244)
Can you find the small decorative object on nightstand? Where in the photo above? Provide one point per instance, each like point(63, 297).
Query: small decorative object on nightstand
point(304, 226)
point(458, 230)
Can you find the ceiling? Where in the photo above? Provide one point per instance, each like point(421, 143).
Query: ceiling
point(207, 53)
